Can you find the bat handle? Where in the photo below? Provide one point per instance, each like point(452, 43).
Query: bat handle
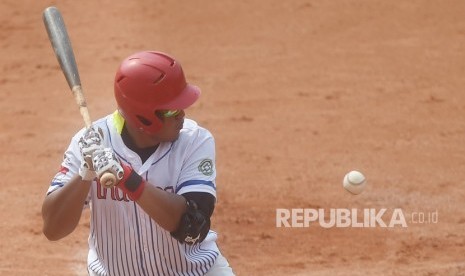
point(81, 101)
point(108, 180)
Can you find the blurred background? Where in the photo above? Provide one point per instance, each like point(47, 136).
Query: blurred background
point(297, 93)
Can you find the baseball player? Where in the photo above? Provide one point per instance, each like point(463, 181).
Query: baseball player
point(156, 219)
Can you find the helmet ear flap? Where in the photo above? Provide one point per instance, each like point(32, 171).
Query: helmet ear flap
point(143, 123)
point(144, 120)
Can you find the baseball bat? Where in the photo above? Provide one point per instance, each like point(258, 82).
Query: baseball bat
point(61, 44)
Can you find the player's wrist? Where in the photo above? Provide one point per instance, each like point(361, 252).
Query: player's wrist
point(132, 183)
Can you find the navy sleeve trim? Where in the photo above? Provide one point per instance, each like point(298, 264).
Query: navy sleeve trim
point(195, 182)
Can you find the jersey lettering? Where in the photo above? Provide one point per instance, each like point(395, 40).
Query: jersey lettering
point(115, 193)
point(118, 194)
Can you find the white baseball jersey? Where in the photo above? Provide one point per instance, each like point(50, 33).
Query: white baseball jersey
point(123, 239)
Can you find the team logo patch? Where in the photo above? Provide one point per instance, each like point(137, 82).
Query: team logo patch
point(206, 167)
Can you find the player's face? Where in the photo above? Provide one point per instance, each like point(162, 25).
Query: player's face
point(173, 121)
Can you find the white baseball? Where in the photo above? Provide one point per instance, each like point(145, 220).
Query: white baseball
point(354, 182)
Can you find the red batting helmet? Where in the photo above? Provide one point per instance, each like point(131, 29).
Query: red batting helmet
point(149, 81)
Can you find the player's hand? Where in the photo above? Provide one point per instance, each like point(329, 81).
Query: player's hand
point(128, 180)
point(88, 144)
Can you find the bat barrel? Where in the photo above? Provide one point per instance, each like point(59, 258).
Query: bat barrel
point(61, 43)
point(58, 36)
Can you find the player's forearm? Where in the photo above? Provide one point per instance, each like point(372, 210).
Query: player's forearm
point(163, 207)
point(62, 208)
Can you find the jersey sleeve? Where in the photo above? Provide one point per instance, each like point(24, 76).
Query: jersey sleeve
point(69, 166)
point(198, 172)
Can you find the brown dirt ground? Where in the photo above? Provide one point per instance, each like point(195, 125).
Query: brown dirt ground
point(296, 92)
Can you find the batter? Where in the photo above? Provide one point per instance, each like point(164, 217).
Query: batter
point(156, 220)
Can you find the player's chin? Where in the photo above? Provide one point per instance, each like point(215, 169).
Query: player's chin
point(177, 134)
point(173, 136)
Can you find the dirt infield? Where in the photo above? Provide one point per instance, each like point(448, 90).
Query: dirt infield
point(296, 93)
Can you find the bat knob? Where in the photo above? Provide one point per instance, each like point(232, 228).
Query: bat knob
point(108, 180)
